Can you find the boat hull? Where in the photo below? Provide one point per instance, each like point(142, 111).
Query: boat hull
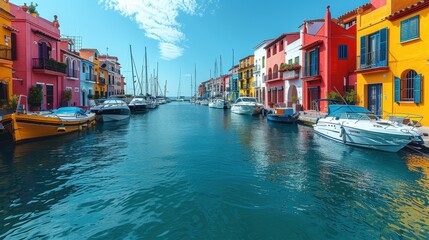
point(26, 127)
point(350, 135)
point(246, 109)
point(137, 108)
point(281, 118)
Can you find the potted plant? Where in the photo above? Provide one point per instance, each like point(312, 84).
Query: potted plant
point(35, 97)
point(32, 9)
point(351, 97)
point(66, 97)
point(13, 102)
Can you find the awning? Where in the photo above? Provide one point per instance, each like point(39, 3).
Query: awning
point(312, 45)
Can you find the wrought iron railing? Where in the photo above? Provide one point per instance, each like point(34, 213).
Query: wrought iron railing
point(49, 64)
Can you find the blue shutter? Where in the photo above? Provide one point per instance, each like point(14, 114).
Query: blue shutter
point(363, 51)
point(414, 27)
point(417, 88)
point(397, 87)
point(383, 48)
point(404, 30)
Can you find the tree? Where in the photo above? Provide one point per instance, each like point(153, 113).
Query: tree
point(36, 96)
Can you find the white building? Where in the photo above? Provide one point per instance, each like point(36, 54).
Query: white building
point(259, 70)
point(291, 73)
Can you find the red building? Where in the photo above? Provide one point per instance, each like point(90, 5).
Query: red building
point(329, 54)
point(38, 56)
point(276, 56)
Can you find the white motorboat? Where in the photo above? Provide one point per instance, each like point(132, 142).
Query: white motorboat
point(204, 102)
point(247, 106)
point(111, 110)
point(357, 126)
point(217, 103)
point(138, 105)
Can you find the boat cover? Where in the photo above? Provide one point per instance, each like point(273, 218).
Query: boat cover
point(336, 109)
point(69, 111)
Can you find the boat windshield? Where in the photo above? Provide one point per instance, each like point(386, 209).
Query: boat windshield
point(69, 111)
point(244, 99)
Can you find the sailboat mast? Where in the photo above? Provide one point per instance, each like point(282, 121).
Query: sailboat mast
point(165, 89)
point(195, 79)
point(132, 71)
point(145, 62)
point(157, 84)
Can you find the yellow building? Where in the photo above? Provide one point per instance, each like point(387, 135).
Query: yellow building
point(245, 76)
point(100, 87)
point(392, 58)
point(6, 34)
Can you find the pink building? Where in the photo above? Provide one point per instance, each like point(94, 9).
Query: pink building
point(329, 54)
point(274, 82)
point(38, 57)
point(71, 82)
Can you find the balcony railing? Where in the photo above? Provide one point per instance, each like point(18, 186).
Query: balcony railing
point(372, 59)
point(5, 52)
point(257, 68)
point(290, 75)
point(72, 73)
point(272, 76)
point(49, 64)
point(310, 70)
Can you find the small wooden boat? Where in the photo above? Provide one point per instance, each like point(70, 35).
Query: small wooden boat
point(24, 126)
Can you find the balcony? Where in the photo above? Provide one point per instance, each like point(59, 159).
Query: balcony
point(101, 80)
point(72, 73)
point(49, 66)
point(256, 84)
point(5, 52)
point(290, 75)
point(310, 70)
point(274, 76)
point(257, 68)
point(372, 61)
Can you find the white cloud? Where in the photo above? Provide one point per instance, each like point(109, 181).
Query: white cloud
point(158, 19)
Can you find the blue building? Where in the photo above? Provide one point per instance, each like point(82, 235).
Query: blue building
point(87, 81)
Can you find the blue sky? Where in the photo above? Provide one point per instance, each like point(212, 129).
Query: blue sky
point(180, 34)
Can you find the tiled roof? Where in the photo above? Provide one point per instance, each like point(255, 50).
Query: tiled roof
point(354, 12)
point(409, 10)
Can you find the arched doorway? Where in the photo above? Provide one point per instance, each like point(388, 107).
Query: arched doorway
point(292, 95)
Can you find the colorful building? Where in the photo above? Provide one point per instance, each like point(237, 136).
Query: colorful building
point(392, 61)
point(329, 49)
point(87, 81)
point(38, 60)
point(71, 82)
point(7, 52)
point(274, 82)
point(259, 70)
point(100, 88)
point(245, 76)
point(234, 89)
point(115, 80)
point(290, 71)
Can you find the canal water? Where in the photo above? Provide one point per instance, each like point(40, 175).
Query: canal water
point(187, 171)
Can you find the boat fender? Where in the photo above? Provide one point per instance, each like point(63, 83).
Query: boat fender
point(61, 129)
point(343, 133)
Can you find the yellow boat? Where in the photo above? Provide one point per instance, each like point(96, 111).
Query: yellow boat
point(23, 126)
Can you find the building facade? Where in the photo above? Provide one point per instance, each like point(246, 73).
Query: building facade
point(259, 70)
point(100, 88)
point(7, 39)
point(329, 58)
point(87, 81)
point(234, 89)
point(391, 63)
point(276, 57)
point(291, 73)
point(38, 60)
point(245, 76)
point(71, 82)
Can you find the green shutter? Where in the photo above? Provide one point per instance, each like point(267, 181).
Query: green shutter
point(363, 51)
point(306, 65)
point(316, 60)
point(397, 89)
point(417, 88)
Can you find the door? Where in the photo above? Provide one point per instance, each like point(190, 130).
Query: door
point(375, 99)
point(49, 97)
point(313, 94)
point(372, 50)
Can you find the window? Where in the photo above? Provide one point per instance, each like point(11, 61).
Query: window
point(373, 50)
point(408, 88)
point(281, 46)
point(297, 60)
point(269, 52)
point(342, 51)
point(311, 63)
point(410, 29)
point(290, 62)
point(275, 49)
point(263, 61)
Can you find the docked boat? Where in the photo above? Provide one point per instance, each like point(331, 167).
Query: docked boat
point(247, 106)
point(151, 103)
point(204, 102)
point(357, 126)
point(138, 105)
point(217, 103)
point(286, 116)
point(24, 126)
point(111, 110)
